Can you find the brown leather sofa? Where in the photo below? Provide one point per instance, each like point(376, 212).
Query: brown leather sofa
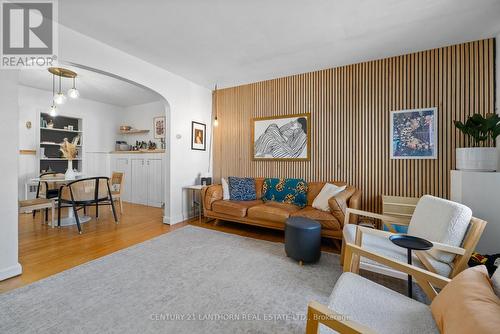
point(274, 214)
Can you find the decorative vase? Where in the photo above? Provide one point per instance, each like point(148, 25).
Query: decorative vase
point(478, 159)
point(70, 173)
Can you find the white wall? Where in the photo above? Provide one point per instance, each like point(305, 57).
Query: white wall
point(141, 117)
point(9, 265)
point(100, 131)
point(187, 101)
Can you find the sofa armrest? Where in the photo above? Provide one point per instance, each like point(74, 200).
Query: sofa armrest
point(320, 314)
point(354, 203)
point(211, 194)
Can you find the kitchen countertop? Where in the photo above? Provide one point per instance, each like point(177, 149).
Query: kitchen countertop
point(138, 152)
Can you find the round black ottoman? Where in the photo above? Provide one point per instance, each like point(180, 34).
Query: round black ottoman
point(303, 239)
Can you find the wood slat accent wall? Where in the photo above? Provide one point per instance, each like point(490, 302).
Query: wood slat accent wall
point(350, 112)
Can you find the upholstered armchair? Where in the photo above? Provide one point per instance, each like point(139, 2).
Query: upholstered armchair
point(468, 303)
point(448, 225)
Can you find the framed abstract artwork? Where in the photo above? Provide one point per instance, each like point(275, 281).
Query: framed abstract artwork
point(198, 136)
point(159, 127)
point(281, 137)
point(414, 134)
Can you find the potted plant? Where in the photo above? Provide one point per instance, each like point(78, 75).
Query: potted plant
point(481, 131)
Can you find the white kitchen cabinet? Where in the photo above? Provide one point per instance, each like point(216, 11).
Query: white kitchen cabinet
point(121, 164)
point(139, 181)
point(155, 182)
point(144, 180)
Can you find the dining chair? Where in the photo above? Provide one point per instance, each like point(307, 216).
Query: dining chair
point(47, 189)
point(93, 191)
point(116, 182)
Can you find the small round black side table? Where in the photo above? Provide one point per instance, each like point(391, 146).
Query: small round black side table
point(410, 243)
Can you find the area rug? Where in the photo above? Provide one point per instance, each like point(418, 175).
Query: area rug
point(191, 280)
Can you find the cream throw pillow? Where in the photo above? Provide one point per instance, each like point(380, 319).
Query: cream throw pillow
point(225, 189)
point(328, 191)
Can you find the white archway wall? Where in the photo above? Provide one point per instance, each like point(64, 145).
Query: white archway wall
point(9, 265)
point(187, 102)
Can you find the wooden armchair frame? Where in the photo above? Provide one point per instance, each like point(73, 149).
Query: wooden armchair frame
point(462, 254)
point(318, 313)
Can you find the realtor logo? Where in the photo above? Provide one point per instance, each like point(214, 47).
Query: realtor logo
point(28, 32)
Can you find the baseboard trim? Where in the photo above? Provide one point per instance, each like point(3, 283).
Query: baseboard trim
point(11, 271)
point(178, 219)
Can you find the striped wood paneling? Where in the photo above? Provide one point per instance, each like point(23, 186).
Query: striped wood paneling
point(350, 108)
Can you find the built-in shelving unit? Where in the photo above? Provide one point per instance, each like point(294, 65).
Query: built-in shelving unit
point(50, 157)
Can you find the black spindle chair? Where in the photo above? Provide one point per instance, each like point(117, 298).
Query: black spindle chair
point(78, 194)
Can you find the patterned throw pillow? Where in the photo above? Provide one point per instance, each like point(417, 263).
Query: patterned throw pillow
point(292, 191)
point(242, 188)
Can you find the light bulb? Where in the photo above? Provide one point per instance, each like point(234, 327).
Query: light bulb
point(59, 98)
point(216, 122)
point(73, 93)
point(53, 111)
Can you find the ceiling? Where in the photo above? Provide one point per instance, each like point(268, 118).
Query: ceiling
point(94, 86)
point(232, 42)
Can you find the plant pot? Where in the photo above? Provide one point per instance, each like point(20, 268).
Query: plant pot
point(479, 159)
point(70, 173)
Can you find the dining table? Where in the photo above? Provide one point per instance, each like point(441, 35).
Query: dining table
point(62, 180)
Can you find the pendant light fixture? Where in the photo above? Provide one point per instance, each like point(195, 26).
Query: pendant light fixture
point(59, 98)
point(73, 92)
point(216, 121)
point(52, 109)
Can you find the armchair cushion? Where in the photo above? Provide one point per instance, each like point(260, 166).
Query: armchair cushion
point(467, 304)
point(440, 220)
point(377, 307)
point(495, 280)
point(384, 246)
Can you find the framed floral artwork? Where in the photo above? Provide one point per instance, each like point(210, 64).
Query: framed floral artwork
point(414, 134)
point(159, 127)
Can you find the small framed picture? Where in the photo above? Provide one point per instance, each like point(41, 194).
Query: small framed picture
point(414, 134)
point(159, 127)
point(198, 136)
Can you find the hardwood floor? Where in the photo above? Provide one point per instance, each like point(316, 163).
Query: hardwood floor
point(44, 251)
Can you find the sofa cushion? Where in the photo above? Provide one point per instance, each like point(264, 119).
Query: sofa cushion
point(328, 191)
point(326, 219)
point(467, 304)
point(440, 220)
point(384, 246)
point(273, 211)
point(313, 189)
point(234, 208)
point(259, 182)
point(291, 191)
point(242, 188)
point(379, 308)
point(225, 189)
